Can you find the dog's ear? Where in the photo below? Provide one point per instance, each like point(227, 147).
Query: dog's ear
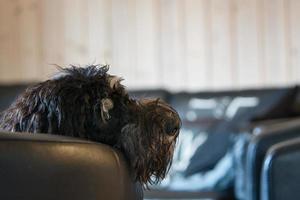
point(106, 105)
point(114, 82)
point(130, 143)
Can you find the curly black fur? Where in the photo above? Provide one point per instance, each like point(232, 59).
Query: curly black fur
point(89, 103)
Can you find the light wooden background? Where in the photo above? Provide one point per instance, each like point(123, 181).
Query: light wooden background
point(174, 44)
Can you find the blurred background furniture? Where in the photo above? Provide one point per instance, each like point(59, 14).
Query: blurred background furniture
point(265, 137)
point(8, 93)
point(281, 176)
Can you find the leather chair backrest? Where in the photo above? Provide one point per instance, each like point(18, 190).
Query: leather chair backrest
point(281, 175)
point(40, 166)
point(258, 148)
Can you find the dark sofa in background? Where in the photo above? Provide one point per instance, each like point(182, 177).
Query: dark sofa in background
point(8, 93)
point(219, 126)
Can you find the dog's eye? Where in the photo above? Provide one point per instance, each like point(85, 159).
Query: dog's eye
point(171, 129)
point(175, 130)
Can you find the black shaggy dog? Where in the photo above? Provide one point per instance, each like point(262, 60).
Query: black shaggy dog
point(89, 103)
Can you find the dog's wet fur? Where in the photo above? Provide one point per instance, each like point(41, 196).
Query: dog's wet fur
point(87, 102)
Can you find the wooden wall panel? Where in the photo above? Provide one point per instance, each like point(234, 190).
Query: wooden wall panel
point(75, 32)
point(124, 40)
point(173, 44)
point(294, 10)
point(30, 40)
point(221, 44)
point(99, 31)
point(274, 42)
point(197, 46)
point(248, 72)
point(52, 33)
point(148, 65)
point(10, 41)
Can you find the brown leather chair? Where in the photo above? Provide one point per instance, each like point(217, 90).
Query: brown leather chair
point(39, 166)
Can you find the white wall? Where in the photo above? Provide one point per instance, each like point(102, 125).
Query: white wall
point(176, 44)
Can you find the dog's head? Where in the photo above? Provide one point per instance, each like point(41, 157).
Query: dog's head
point(149, 139)
point(79, 102)
point(89, 103)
